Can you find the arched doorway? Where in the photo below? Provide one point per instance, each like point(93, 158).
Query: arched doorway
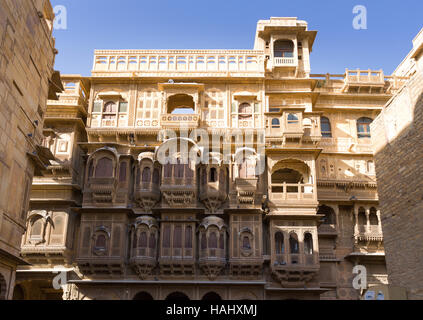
point(211, 296)
point(143, 296)
point(18, 293)
point(177, 296)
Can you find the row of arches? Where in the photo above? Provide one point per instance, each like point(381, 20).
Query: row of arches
point(177, 296)
point(293, 242)
point(105, 164)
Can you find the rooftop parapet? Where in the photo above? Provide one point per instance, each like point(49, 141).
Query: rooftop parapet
point(178, 63)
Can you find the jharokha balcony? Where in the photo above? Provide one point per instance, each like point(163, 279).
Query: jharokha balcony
point(292, 192)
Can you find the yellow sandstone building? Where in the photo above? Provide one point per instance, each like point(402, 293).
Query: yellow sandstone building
point(27, 79)
point(282, 205)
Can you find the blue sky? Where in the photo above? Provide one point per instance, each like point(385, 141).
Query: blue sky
point(229, 24)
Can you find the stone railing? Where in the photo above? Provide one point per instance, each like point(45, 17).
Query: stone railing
point(179, 62)
point(289, 260)
point(292, 192)
point(364, 76)
point(282, 62)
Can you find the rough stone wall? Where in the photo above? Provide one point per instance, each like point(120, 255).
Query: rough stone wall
point(26, 64)
point(397, 135)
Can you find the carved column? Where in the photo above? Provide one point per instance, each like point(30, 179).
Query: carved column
point(356, 231)
point(367, 220)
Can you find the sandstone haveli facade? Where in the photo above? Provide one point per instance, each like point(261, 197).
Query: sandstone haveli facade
point(123, 225)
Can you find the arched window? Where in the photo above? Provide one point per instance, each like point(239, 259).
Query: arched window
point(373, 217)
point(283, 49)
point(247, 169)
point(213, 175)
point(109, 111)
point(329, 214)
point(146, 174)
point(142, 241)
point(363, 127)
point(292, 118)
point(156, 176)
point(308, 243)
point(37, 229)
point(213, 240)
point(177, 237)
point(246, 243)
point(166, 237)
point(293, 243)
point(362, 220)
point(188, 237)
point(279, 243)
point(276, 124)
point(104, 168)
point(168, 170)
point(325, 127)
point(152, 241)
point(179, 170)
point(122, 172)
point(245, 111)
point(100, 242)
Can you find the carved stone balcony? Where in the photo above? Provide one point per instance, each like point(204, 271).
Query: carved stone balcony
point(246, 190)
point(371, 233)
point(284, 62)
point(179, 192)
point(102, 189)
point(370, 80)
point(147, 195)
point(47, 254)
point(212, 261)
point(144, 261)
point(177, 261)
point(295, 270)
point(176, 121)
point(212, 196)
point(246, 267)
point(101, 265)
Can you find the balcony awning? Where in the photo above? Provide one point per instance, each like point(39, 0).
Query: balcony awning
point(109, 94)
point(246, 95)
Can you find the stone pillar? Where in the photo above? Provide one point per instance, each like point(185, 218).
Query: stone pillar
point(356, 220)
point(368, 220)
